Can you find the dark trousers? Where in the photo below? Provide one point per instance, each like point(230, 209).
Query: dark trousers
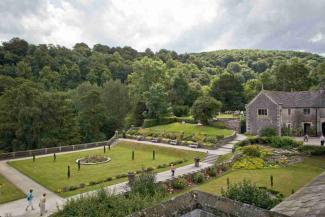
point(322, 143)
point(173, 172)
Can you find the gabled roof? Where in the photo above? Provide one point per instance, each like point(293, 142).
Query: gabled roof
point(300, 99)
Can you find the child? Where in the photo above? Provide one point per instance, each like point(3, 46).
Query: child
point(30, 199)
point(322, 140)
point(172, 168)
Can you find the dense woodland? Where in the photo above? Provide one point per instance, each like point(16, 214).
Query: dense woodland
point(51, 95)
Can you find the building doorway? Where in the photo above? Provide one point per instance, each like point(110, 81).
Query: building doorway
point(306, 128)
point(323, 128)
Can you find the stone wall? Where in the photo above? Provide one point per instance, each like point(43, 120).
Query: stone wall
point(209, 203)
point(230, 123)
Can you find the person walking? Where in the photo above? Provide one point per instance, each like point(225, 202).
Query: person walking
point(30, 198)
point(172, 169)
point(306, 138)
point(322, 140)
point(42, 203)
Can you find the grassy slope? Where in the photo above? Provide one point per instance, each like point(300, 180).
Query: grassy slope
point(188, 129)
point(285, 179)
point(8, 192)
point(54, 174)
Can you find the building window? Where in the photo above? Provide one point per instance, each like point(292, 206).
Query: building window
point(262, 112)
point(289, 111)
point(306, 111)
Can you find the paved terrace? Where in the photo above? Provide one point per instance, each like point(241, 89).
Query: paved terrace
point(17, 208)
point(309, 201)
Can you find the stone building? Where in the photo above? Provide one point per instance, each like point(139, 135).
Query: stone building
point(302, 112)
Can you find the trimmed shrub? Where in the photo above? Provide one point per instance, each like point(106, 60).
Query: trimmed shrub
point(212, 171)
point(121, 176)
point(250, 163)
point(247, 192)
point(284, 142)
point(109, 179)
point(252, 151)
point(179, 183)
point(149, 169)
point(312, 150)
point(268, 131)
point(198, 178)
point(274, 141)
point(181, 110)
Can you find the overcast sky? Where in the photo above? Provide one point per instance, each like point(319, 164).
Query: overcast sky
point(180, 25)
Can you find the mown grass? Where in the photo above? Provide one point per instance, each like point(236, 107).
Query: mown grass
point(53, 175)
point(188, 129)
point(286, 179)
point(9, 192)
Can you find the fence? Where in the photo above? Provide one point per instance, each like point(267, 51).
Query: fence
point(43, 151)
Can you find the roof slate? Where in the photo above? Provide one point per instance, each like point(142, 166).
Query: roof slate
point(301, 99)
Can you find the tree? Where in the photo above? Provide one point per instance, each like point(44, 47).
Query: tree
point(17, 46)
point(24, 70)
point(21, 117)
point(292, 75)
point(229, 91)
point(92, 117)
point(60, 123)
point(204, 108)
point(252, 88)
point(146, 72)
point(157, 102)
point(49, 78)
point(115, 98)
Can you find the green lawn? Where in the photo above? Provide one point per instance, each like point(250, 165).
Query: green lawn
point(285, 179)
point(53, 175)
point(226, 116)
point(188, 129)
point(9, 192)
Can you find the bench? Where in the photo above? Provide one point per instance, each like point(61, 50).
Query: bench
point(139, 138)
point(194, 145)
point(155, 140)
point(173, 142)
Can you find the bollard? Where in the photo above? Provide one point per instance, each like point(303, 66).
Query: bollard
point(132, 155)
point(131, 177)
point(153, 155)
point(197, 162)
point(68, 172)
point(78, 165)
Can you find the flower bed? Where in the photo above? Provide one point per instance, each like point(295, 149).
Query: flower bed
point(93, 160)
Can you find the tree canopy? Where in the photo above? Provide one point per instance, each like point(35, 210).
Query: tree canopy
point(51, 95)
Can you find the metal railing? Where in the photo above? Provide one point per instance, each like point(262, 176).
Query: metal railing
point(43, 151)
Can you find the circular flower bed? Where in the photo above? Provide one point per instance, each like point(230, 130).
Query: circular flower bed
point(93, 160)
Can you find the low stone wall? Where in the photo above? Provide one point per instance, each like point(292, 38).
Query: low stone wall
point(220, 142)
point(226, 140)
point(230, 123)
point(209, 203)
point(43, 151)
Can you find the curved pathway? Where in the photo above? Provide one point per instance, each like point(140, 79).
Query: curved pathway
point(24, 183)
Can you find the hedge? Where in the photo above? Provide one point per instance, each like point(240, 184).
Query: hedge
point(274, 141)
point(154, 122)
point(312, 150)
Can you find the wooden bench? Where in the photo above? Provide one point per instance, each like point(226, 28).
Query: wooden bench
point(194, 145)
point(155, 140)
point(140, 138)
point(173, 142)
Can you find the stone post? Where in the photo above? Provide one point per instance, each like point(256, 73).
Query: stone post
point(131, 177)
point(197, 162)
